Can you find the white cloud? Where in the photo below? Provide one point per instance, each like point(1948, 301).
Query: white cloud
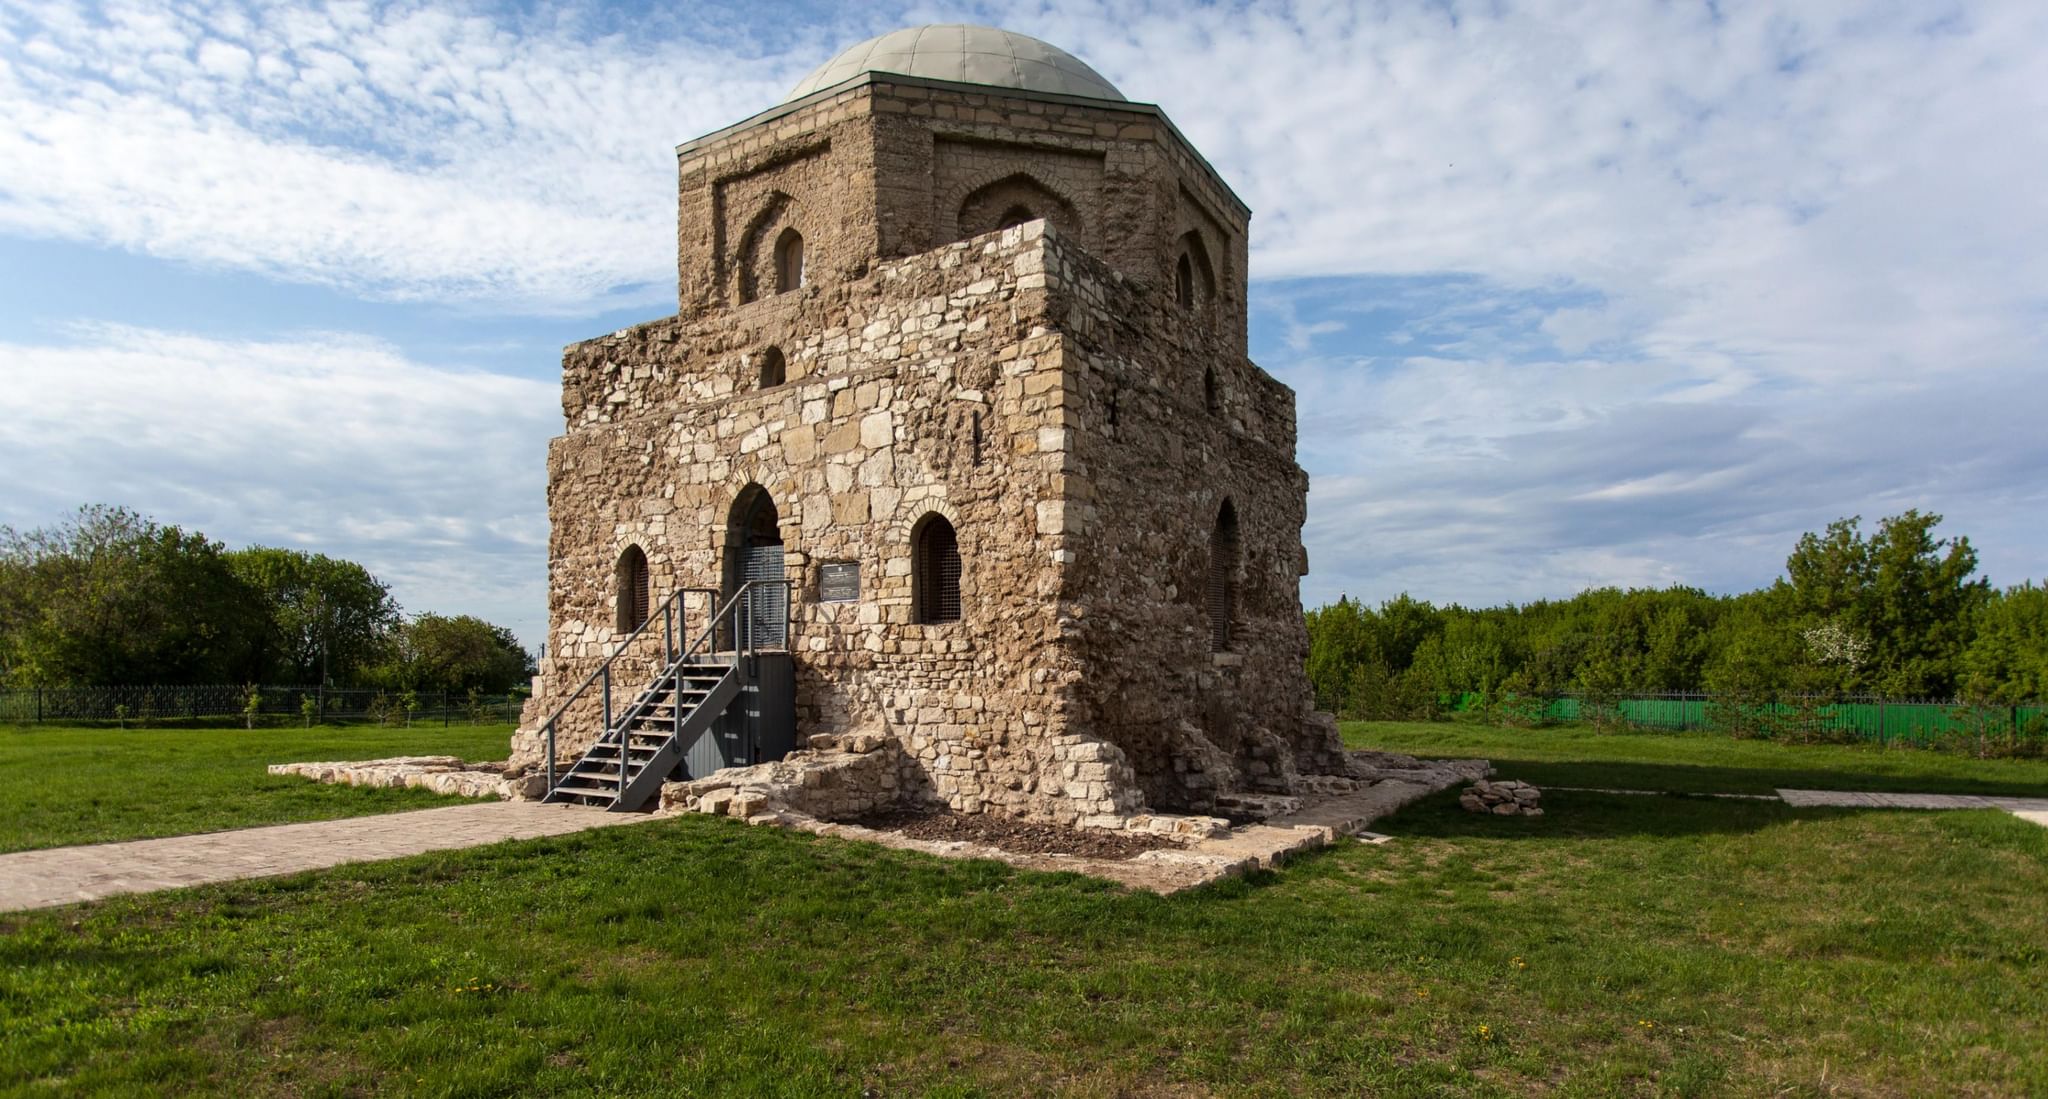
point(428, 476)
point(393, 150)
point(1669, 281)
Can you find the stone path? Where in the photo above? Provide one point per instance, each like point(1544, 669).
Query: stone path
point(2031, 810)
point(67, 875)
point(1854, 799)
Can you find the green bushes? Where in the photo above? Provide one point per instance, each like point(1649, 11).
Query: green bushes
point(1896, 614)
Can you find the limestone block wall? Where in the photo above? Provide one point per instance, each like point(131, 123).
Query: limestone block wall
point(893, 166)
point(1166, 421)
point(922, 388)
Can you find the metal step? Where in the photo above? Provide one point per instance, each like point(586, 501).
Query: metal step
point(684, 699)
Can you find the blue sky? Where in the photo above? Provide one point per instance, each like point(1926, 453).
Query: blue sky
point(1572, 295)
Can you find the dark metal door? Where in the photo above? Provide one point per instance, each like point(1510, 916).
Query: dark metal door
point(766, 614)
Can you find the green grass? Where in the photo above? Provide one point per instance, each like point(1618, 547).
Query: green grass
point(65, 785)
point(1579, 755)
point(1618, 945)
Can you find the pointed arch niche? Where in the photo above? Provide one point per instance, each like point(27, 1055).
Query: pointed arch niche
point(772, 257)
point(1011, 201)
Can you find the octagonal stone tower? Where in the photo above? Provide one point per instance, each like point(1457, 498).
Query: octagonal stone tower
point(960, 353)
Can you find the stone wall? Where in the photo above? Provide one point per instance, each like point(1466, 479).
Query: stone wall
point(892, 379)
point(893, 166)
point(1042, 388)
point(1153, 463)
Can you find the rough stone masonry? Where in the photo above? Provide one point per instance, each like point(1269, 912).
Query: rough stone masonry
point(976, 351)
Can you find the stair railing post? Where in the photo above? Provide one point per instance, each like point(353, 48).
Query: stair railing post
point(551, 759)
point(606, 676)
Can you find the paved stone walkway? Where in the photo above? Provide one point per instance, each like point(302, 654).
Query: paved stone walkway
point(2031, 810)
point(67, 875)
point(1854, 799)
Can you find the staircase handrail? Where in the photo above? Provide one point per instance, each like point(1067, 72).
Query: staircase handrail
point(672, 614)
point(673, 602)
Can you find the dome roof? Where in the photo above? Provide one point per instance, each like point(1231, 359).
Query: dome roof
point(968, 54)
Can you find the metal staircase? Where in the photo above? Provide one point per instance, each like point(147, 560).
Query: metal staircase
point(649, 740)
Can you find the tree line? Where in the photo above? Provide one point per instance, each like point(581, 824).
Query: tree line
point(111, 597)
point(1896, 613)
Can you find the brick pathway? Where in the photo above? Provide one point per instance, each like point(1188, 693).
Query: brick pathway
point(67, 875)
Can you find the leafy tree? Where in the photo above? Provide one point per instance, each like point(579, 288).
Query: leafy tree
point(112, 597)
point(443, 653)
point(2007, 659)
point(329, 618)
point(1908, 594)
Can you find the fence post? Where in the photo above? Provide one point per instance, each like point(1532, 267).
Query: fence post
point(39, 705)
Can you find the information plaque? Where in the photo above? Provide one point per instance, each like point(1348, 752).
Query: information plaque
point(839, 582)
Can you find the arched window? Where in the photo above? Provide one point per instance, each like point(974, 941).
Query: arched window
point(1015, 216)
point(633, 590)
point(1194, 277)
point(935, 571)
point(1222, 581)
point(773, 369)
point(1210, 400)
point(789, 261)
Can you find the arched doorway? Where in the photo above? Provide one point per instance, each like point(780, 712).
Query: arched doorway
point(753, 552)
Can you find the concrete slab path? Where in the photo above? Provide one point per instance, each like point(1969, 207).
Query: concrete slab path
point(68, 875)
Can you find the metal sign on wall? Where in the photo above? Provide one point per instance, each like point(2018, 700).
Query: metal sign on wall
point(839, 582)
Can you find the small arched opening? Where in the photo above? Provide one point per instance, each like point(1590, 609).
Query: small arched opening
point(1194, 277)
point(774, 370)
point(1211, 401)
point(935, 571)
point(789, 261)
point(634, 593)
point(1221, 588)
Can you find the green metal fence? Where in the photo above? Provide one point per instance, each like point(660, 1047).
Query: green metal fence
point(1917, 722)
point(228, 704)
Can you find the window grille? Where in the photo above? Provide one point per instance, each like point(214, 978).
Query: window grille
point(937, 570)
point(634, 600)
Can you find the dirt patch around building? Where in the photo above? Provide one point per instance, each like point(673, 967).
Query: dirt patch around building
point(1015, 836)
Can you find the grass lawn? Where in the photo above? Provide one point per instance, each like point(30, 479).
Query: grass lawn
point(62, 785)
point(1617, 945)
point(1579, 755)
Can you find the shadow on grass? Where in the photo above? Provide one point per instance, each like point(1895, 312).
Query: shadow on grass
point(1579, 815)
point(1695, 778)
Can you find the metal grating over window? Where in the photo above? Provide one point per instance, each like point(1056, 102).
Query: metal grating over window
point(635, 597)
point(937, 570)
point(1222, 585)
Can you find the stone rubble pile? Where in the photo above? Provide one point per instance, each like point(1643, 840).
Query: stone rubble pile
point(1508, 798)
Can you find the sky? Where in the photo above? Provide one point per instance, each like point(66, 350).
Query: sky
point(1572, 295)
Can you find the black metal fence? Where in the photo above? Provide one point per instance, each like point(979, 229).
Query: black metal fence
point(262, 706)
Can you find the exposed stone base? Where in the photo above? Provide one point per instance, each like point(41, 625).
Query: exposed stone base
point(812, 792)
point(440, 774)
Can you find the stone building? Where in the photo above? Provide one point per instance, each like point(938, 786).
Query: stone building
point(960, 355)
